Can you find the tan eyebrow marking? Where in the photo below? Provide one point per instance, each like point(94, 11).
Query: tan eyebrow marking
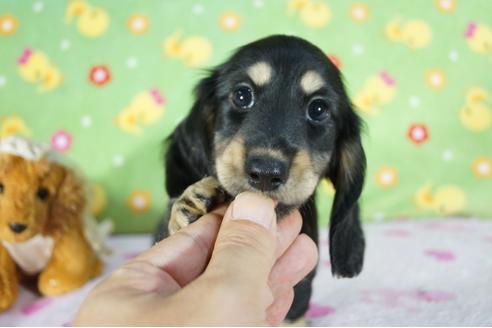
point(260, 73)
point(311, 82)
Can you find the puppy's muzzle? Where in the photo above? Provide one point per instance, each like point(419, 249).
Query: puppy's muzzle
point(266, 173)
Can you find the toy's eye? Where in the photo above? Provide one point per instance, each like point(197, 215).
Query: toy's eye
point(318, 110)
point(43, 193)
point(2, 188)
point(242, 96)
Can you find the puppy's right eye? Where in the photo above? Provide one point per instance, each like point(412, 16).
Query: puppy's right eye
point(318, 110)
point(242, 96)
point(2, 188)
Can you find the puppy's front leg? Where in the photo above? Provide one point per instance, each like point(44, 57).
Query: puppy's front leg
point(197, 200)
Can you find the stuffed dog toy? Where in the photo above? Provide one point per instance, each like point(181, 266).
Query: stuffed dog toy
point(273, 119)
point(42, 229)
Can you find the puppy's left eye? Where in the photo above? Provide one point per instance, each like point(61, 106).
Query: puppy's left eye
point(242, 96)
point(43, 193)
point(318, 110)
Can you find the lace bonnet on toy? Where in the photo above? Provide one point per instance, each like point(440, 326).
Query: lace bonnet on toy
point(24, 148)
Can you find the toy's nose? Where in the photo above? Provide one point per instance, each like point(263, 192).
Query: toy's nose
point(17, 227)
point(266, 173)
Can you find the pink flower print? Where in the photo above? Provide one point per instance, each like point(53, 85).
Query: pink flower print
point(61, 141)
point(335, 60)
point(32, 308)
point(317, 310)
point(433, 296)
point(450, 226)
point(418, 133)
point(409, 299)
point(99, 75)
point(440, 255)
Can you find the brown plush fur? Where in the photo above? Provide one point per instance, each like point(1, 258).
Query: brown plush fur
point(59, 215)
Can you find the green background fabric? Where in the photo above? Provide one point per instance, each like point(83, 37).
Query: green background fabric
point(419, 71)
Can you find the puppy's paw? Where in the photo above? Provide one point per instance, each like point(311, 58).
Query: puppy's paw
point(197, 200)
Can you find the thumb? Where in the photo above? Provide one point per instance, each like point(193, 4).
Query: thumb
point(244, 252)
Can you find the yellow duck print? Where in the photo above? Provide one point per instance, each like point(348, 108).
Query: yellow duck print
point(479, 38)
point(145, 108)
point(476, 114)
point(35, 67)
point(377, 91)
point(193, 51)
point(413, 33)
point(446, 200)
point(92, 21)
point(13, 125)
point(313, 13)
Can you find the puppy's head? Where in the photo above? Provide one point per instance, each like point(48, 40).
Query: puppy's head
point(274, 119)
point(282, 120)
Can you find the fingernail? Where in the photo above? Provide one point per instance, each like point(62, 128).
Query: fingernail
point(255, 208)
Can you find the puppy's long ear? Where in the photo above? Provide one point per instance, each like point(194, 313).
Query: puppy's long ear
point(347, 171)
point(188, 158)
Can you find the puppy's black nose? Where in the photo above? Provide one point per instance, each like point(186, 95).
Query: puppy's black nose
point(17, 227)
point(266, 173)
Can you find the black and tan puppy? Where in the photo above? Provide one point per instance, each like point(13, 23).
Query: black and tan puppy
point(273, 119)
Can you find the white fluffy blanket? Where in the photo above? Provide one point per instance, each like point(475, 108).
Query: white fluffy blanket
point(418, 273)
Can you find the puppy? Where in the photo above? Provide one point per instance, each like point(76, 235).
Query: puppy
point(274, 119)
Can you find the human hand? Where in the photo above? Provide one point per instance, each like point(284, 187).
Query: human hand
point(239, 270)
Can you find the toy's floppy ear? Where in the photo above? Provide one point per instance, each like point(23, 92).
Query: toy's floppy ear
point(7, 161)
point(188, 157)
point(347, 171)
point(68, 204)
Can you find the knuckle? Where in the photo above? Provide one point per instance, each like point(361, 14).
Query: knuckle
point(197, 241)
